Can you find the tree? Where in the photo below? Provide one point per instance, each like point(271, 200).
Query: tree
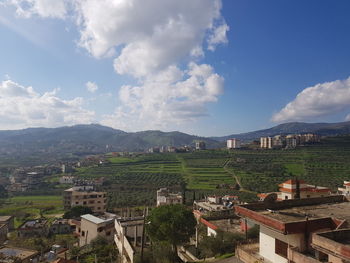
point(3, 192)
point(77, 211)
point(173, 224)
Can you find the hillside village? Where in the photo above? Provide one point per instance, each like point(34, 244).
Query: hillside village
point(301, 222)
point(282, 221)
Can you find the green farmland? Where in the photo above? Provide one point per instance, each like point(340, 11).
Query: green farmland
point(133, 181)
point(29, 207)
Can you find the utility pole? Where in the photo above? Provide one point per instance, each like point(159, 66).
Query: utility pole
point(143, 234)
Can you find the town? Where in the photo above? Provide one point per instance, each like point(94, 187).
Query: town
point(174, 131)
point(300, 222)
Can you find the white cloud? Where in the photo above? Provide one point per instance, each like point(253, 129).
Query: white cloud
point(91, 86)
point(42, 8)
point(320, 100)
point(153, 38)
point(149, 40)
point(171, 97)
point(22, 107)
point(218, 36)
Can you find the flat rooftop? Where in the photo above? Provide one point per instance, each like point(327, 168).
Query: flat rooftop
point(297, 215)
point(228, 225)
point(17, 252)
point(211, 206)
point(292, 210)
point(33, 224)
point(100, 219)
point(5, 218)
point(336, 210)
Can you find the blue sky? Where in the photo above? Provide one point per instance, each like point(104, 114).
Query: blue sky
point(205, 67)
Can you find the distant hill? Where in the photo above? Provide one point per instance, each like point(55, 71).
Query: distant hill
point(79, 140)
point(325, 129)
point(90, 139)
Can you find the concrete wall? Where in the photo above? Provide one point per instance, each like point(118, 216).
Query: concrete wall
point(267, 243)
point(211, 232)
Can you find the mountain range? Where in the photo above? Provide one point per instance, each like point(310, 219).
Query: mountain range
point(94, 138)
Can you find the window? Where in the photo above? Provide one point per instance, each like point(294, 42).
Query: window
point(84, 203)
point(286, 197)
point(83, 233)
point(281, 248)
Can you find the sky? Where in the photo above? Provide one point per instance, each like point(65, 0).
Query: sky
point(204, 67)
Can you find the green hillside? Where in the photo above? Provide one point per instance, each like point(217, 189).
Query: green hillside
point(133, 181)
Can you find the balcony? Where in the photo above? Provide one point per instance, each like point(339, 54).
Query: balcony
point(249, 253)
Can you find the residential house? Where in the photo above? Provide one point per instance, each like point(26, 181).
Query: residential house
point(295, 188)
point(66, 179)
point(92, 226)
point(61, 226)
point(85, 196)
point(164, 197)
point(216, 203)
point(298, 230)
point(346, 190)
point(33, 228)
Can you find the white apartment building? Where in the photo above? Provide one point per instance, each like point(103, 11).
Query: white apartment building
point(266, 142)
point(93, 226)
point(233, 143)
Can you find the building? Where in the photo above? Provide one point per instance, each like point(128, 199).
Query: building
point(346, 190)
point(200, 145)
point(3, 232)
point(61, 226)
point(9, 221)
point(33, 228)
point(266, 143)
point(292, 141)
point(128, 237)
point(164, 197)
point(93, 226)
point(215, 203)
point(85, 196)
point(279, 141)
point(299, 230)
point(225, 224)
point(292, 189)
point(233, 144)
point(66, 180)
point(14, 255)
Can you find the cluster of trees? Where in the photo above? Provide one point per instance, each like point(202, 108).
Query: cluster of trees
point(167, 227)
point(99, 250)
point(77, 211)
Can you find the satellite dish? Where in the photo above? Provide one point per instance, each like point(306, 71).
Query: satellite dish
point(270, 198)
